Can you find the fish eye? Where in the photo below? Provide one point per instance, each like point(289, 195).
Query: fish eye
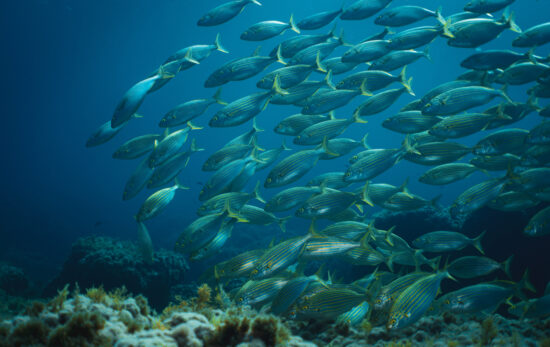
point(348, 174)
point(255, 271)
point(393, 321)
point(301, 209)
point(215, 118)
point(269, 180)
point(240, 299)
point(378, 301)
point(447, 302)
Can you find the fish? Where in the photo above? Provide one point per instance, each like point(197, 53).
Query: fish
point(315, 54)
point(214, 245)
point(279, 257)
point(367, 51)
point(492, 59)
point(318, 20)
point(398, 58)
point(535, 36)
point(222, 179)
point(240, 69)
point(380, 192)
point(171, 168)
point(513, 201)
point(486, 6)
point(447, 173)
point(302, 91)
point(290, 198)
point(356, 315)
point(539, 224)
point(447, 241)
point(145, 245)
point(475, 298)
point(533, 308)
point(405, 15)
point(268, 29)
point(238, 266)
point(407, 202)
point(289, 47)
point(389, 292)
point(242, 110)
point(322, 247)
point(246, 138)
point(362, 9)
point(330, 303)
point(224, 12)
point(437, 153)
point(531, 179)
point(472, 33)
point(476, 266)
point(236, 201)
point(295, 166)
point(373, 80)
point(414, 301)
point(496, 162)
point(256, 293)
point(381, 101)
point(522, 73)
point(225, 155)
point(136, 147)
point(410, 122)
point(329, 100)
point(169, 145)
point(461, 99)
point(347, 230)
point(104, 133)
point(540, 134)
point(270, 156)
point(442, 88)
point(189, 110)
point(193, 55)
point(292, 290)
point(314, 134)
point(342, 146)
point(133, 98)
point(464, 124)
point(478, 196)
point(157, 202)
point(417, 37)
point(501, 142)
point(331, 202)
point(293, 125)
point(510, 113)
point(289, 76)
point(337, 67)
point(365, 256)
point(257, 216)
point(138, 180)
point(334, 180)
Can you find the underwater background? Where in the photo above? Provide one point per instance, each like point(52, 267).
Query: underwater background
point(67, 65)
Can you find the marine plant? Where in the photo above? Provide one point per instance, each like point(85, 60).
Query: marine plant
point(96, 294)
point(204, 293)
point(34, 309)
point(488, 331)
point(56, 303)
point(269, 330)
point(81, 330)
point(32, 333)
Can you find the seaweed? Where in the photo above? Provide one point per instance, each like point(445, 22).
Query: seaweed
point(81, 330)
point(270, 330)
point(33, 332)
point(545, 342)
point(56, 304)
point(143, 305)
point(35, 309)
point(488, 331)
point(204, 294)
point(229, 333)
point(97, 294)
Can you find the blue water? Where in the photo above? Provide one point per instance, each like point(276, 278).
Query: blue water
point(66, 64)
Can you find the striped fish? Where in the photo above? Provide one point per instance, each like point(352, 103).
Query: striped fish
point(348, 230)
point(236, 201)
point(410, 122)
point(320, 247)
point(214, 245)
point(331, 202)
point(157, 202)
point(328, 100)
point(373, 80)
point(477, 196)
point(342, 146)
point(381, 101)
point(189, 110)
point(330, 303)
point(380, 192)
point(461, 99)
point(365, 255)
point(355, 315)
point(291, 292)
point(464, 124)
point(414, 301)
point(503, 141)
point(446, 241)
point(388, 293)
point(239, 69)
point(290, 198)
point(334, 180)
point(314, 134)
point(294, 124)
point(539, 224)
point(437, 153)
point(289, 76)
point(225, 155)
point(138, 180)
point(447, 173)
point(257, 216)
point(407, 202)
point(238, 266)
point(256, 293)
point(136, 147)
point(513, 201)
point(170, 145)
point(475, 266)
point(496, 162)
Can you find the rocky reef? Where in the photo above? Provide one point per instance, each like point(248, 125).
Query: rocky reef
point(103, 261)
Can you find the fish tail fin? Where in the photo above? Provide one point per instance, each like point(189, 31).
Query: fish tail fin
point(328, 80)
point(389, 262)
point(318, 64)
point(506, 264)
point(388, 235)
point(402, 76)
point(232, 214)
point(325, 148)
point(435, 263)
point(218, 44)
point(293, 26)
point(194, 147)
point(364, 241)
point(136, 115)
point(330, 34)
point(255, 126)
point(284, 147)
point(363, 88)
point(477, 242)
point(356, 118)
point(217, 96)
point(311, 230)
point(501, 114)
point(435, 202)
point(216, 273)
point(426, 53)
point(445, 27)
point(533, 103)
point(178, 185)
point(524, 283)
point(342, 40)
point(282, 223)
point(408, 148)
point(193, 127)
point(280, 58)
point(407, 86)
point(365, 194)
point(163, 74)
point(276, 88)
point(364, 141)
point(438, 14)
point(255, 2)
point(256, 193)
point(189, 57)
point(257, 51)
point(508, 17)
point(254, 143)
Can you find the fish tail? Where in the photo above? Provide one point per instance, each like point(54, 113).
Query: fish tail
point(312, 231)
point(231, 214)
point(189, 57)
point(192, 126)
point(284, 147)
point(194, 147)
point(438, 14)
point(363, 88)
point(507, 264)
point(533, 103)
point(282, 223)
point(163, 74)
point(356, 118)
point(276, 88)
point(501, 114)
point(135, 115)
point(445, 27)
point(256, 193)
point(255, 2)
point(328, 80)
point(408, 148)
point(254, 143)
point(387, 237)
point(217, 96)
point(365, 194)
point(404, 188)
point(255, 126)
point(389, 262)
point(402, 76)
point(524, 283)
point(218, 44)
point(435, 202)
point(280, 58)
point(510, 22)
point(324, 145)
point(407, 86)
point(342, 40)
point(178, 185)
point(331, 32)
point(293, 26)
point(318, 64)
point(426, 53)
point(364, 141)
point(477, 242)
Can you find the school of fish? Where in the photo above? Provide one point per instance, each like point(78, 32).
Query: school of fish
point(516, 161)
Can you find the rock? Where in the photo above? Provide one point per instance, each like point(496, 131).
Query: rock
point(13, 281)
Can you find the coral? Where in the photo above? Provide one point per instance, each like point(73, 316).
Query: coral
point(488, 331)
point(102, 261)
